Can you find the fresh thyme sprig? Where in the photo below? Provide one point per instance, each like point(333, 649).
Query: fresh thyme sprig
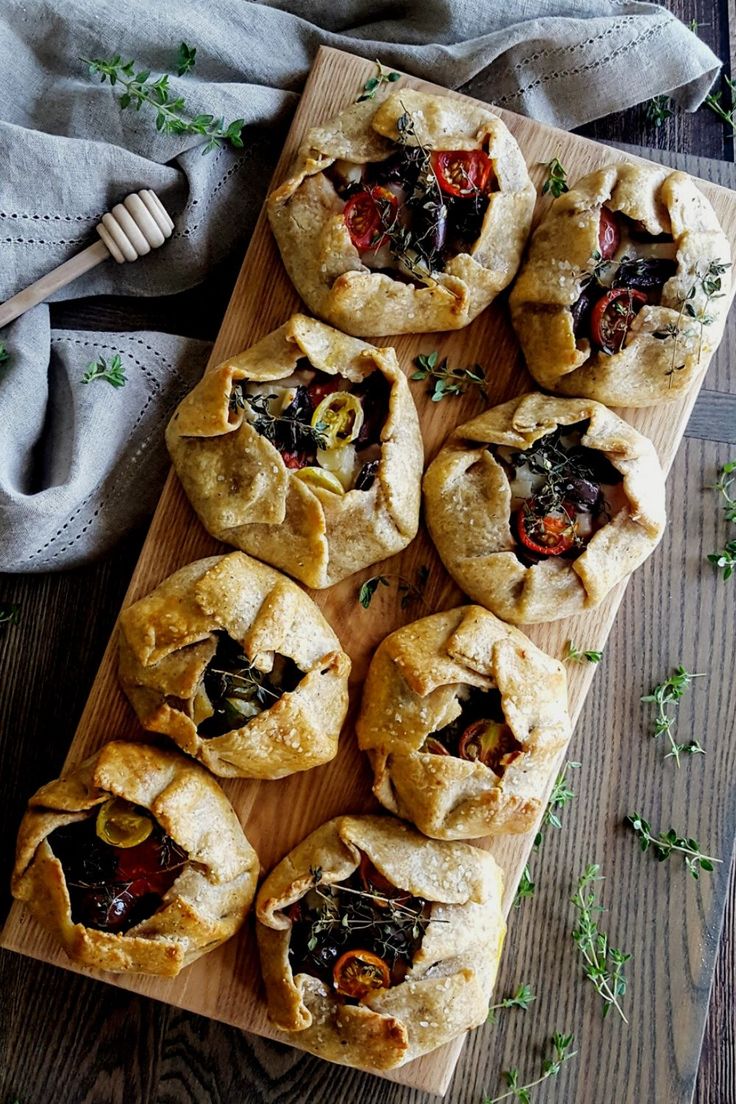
point(725, 560)
point(666, 696)
point(723, 486)
point(282, 430)
point(100, 370)
point(709, 283)
point(556, 180)
point(669, 843)
point(525, 889)
point(409, 591)
point(561, 795)
point(575, 655)
point(4, 354)
point(658, 109)
point(9, 613)
point(522, 998)
point(561, 1053)
point(713, 101)
point(447, 381)
point(602, 964)
point(383, 76)
point(185, 58)
point(172, 114)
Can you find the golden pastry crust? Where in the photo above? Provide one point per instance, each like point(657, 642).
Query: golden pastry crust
point(168, 638)
point(307, 220)
point(449, 984)
point(468, 510)
point(552, 277)
point(205, 905)
point(244, 493)
point(411, 691)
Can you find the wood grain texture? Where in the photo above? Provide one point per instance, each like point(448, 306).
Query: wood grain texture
point(381, 1092)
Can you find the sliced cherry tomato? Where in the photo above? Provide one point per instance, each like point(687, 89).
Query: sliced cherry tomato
point(374, 881)
point(462, 173)
point(612, 315)
point(434, 746)
point(609, 235)
point(295, 459)
point(317, 391)
point(150, 860)
point(358, 973)
point(362, 214)
point(482, 741)
point(120, 823)
point(546, 534)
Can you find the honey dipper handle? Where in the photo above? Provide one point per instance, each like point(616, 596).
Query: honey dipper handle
point(58, 278)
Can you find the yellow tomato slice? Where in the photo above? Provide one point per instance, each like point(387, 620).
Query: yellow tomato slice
point(318, 477)
point(338, 418)
point(122, 824)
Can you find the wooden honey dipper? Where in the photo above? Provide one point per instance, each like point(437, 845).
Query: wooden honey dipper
point(133, 228)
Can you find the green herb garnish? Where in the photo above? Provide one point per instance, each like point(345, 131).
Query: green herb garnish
point(561, 795)
point(669, 843)
point(666, 696)
point(172, 115)
point(713, 101)
point(658, 109)
point(602, 964)
point(556, 182)
point(575, 655)
point(383, 76)
point(447, 381)
point(522, 998)
point(9, 613)
point(409, 591)
point(526, 888)
point(185, 58)
point(100, 370)
point(725, 560)
point(550, 1068)
point(4, 354)
point(709, 285)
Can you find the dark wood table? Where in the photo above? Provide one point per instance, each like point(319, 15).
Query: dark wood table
point(67, 1040)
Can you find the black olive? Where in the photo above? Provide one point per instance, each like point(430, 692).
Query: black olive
point(581, 310)
point(582, 493)
point(366, 476)
point(466, 216)
point(429, 230)
point(647, 274)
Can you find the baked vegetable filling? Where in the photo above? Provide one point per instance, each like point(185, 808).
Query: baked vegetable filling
point(561, 493)
point(233, 691)
point(359, 935)
point(118, 863)
point(327, 428)
point(408, 215)
point(629, 270)
point(479, 733)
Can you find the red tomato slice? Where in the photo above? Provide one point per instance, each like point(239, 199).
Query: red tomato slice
point(609, 235)
point(612, 315)
point(317, 391)
point(295, 460)
point(548, 535)
point(362, 215)
point(358, 973)
point(462, 173)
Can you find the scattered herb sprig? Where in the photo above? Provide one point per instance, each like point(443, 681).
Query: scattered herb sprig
point(112, 373)
point(725, 560)
point(658, 109)
point(172, 114)
point(561, 795)
point(185, 58)
point(668, 843)
point(726, 114)
point(447, 381)
point(371, 86)
point(522, 998)
point(576, 655)
point(602, 964)
point(561, 1053)
point(9, 613)
point(525, 889)
point(556, 180)
point(409, 591)
point(666, 696)
point(4, 354)
point(709, 285)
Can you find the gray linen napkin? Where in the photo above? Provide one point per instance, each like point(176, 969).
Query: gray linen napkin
point(79, 464)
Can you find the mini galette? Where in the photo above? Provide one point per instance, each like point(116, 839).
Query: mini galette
point(462, 718)
point(135, 861)
point(538, 507)
point(235, 663)
point(404, 217)
point(624, 294)
point(378, 945)
point(304, 451)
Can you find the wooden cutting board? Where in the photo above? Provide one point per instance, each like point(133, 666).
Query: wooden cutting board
point(225, 985)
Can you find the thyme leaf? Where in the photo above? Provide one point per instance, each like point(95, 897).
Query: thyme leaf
point(575, 655)
point(409, 591)
point(522, 998)
point(185, 58)
point(657, 110)
point(112, 373)
point(447, 381)
point(709, 285)
point(723, 486)
point(561, 796)
point(726, 114)
point(285, 430)
point(725, 560)
point(9, 613)
point(556, 181)
point(525, 889)
point(383, 76)
point(602, 964)
point(172, 113)
point(666, 696)
point(550, 1068)
point(669, 843)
